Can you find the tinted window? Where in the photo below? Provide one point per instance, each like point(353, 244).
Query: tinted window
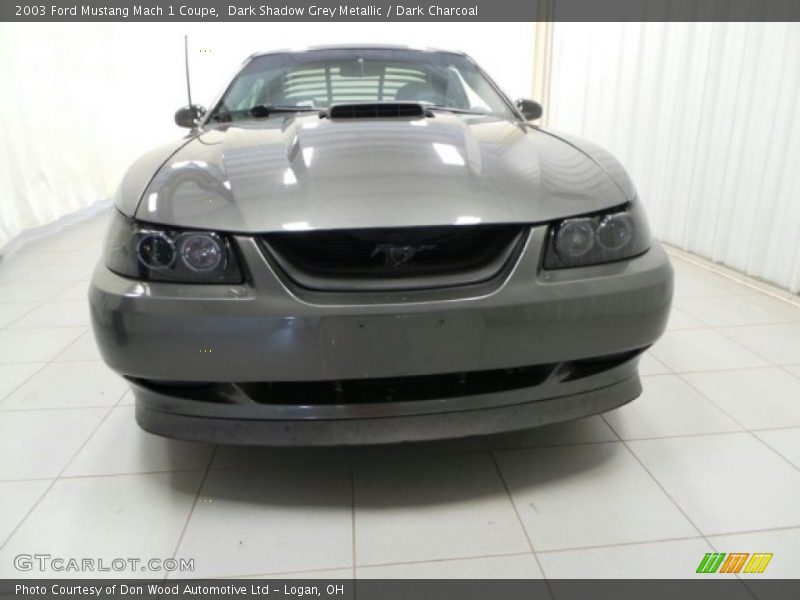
point(320, 78)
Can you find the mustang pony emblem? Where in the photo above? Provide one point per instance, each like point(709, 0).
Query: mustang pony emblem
point(396, 255)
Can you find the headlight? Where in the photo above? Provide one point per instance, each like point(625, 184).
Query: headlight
point(615, 235)
point(156, 253)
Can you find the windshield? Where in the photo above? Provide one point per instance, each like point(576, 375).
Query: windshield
point(317, 79)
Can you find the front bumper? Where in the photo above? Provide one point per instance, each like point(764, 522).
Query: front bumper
point(266, 330)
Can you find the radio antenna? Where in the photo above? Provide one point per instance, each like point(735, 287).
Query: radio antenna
point(186, 59)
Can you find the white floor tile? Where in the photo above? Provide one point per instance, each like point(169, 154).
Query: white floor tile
point(14, 375)
point(127, 399)
point(779, 344)
point(675, 559)
point(15, 292)
point(650, 365)
point(16, 499)
point(26, 257)
point(429, 508)
point(579, 496)
point(13, 311)
point(668, 406)
point(297, 575)
point(777, 305)
point(757, 398)
point(272, 520)
point(77, 291)
point(794, 370)
point(490, 567)
point(580, 431)
point(68, 240)
point(120, 446)
point(678, 319)
point(82, 349)
point(702, 350)
point(70, 313)
point(137, 516)
point(69, 273)
point(725, 483)
point(68, 385)
point(700, 282)
point(784, 441)
point(729, 311)
point(85, 257)
point(38, 444)
point(35, 345)
point(784, 545)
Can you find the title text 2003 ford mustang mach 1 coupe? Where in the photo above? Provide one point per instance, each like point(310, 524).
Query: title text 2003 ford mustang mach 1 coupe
point(372, 244)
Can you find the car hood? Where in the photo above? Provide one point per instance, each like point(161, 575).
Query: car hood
point(304, 172)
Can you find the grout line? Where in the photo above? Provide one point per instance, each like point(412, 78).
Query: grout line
point(130, 474)
point(36, 306)
point(520, 522)
point(708, 325)
point(196, 499)
point(23, 382)
point(514, 448)
point(10, 327)
point(353, 510)
point(719, 370)
point(656, 481)
point(623, 544)
point(746, 429)
point(87, 331)
point(277, 574)
point(55, 479)
point(52, 408)
point(441, 560)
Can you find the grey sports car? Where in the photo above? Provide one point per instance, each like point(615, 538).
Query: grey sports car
point(373, 244)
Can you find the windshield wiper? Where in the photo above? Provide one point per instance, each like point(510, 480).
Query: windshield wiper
point(459, 111)
point(259, 111)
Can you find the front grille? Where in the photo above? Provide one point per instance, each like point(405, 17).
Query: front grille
point(400, 258)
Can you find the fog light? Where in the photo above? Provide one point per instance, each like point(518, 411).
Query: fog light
point(575, 238)
point(155, 251)
point(200, 252)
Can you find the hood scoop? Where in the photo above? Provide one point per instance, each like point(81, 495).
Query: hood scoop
point(376, 110)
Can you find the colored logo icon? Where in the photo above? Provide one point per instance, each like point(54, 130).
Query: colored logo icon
point(734, 562)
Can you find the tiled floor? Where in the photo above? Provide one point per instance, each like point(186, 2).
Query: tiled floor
point(708, 458)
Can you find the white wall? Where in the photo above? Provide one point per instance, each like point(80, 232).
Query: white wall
point(79, 102)
point(706, 117)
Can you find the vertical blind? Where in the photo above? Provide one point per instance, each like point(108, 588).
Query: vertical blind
point(80, 101)
point(706, 117)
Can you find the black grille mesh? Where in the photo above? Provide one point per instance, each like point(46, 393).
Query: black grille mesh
point(396, 254)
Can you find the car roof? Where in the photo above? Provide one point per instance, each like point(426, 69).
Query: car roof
point(355, 47)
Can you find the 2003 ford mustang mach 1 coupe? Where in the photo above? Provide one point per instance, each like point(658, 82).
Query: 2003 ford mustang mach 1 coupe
point(373, 244)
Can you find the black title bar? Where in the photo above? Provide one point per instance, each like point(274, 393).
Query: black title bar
point(398, 10)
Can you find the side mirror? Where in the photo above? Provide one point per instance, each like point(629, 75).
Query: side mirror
point(189, 116)
point(530, 110)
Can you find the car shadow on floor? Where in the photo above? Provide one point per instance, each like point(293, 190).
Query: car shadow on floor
point(408, 475)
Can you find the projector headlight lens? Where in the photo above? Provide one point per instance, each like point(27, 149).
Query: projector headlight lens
point(155, 251)
point(575, 237)
point(152, 253)
point(200, 251)
point(608, 237)
point(615, 231)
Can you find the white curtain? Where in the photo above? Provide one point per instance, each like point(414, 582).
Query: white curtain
point(78, 102)
point(706, 117)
